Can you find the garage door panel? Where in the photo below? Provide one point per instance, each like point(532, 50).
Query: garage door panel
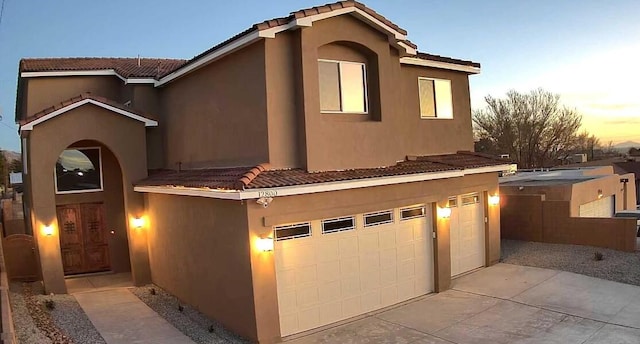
point(350, 286)
point(349, 266)
point(368, 243)
point(371, 301)
point(327, 272)
point(389, 295)
point(307, 297)
point(309, 318)
point(306, 274)
point(328, 250)
point(348, 246)
point(387, 239)
point(467, 236)
point(330, 312)
point(404, 234)
point(388, 276)
point(370, 262)
point(370, 281)
point(406, 270)
point(352, 272)
point(289, 323)
point(388, 258)
point(406, 252)
point(329, 291)
point(604, 207)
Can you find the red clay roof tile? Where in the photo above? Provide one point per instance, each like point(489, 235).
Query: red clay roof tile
point(241, 178)
point(158, 68)
point(125, 67)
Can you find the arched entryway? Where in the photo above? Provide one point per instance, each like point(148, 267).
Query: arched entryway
point(90, 210)
point(122, 144)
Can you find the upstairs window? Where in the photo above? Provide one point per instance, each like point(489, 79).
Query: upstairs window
point(435, 98)
point(343, 87)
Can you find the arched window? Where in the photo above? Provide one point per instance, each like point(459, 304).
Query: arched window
point(78, 170)
point(346, 79)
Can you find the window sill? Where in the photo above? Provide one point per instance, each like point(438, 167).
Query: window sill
point(432, 118)
point(347, 117)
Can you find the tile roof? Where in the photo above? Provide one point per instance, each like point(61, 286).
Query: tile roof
point(438, 58)
point(79, 98)
point(157, 68)
point(125, 67)
point(241, 178)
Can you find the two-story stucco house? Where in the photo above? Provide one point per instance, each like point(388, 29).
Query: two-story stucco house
point(310, 169)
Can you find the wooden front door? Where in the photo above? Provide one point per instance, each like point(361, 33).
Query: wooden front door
point(83, 241)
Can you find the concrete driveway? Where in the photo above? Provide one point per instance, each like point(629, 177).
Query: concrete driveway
point(505, 304)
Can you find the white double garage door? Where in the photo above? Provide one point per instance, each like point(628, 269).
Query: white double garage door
point(334, 269)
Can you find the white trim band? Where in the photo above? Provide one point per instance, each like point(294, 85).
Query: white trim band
point(314, 188)
point(97, 72)
point(441, 65)
point(147, 122)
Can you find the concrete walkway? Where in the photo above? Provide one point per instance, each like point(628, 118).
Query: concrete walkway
point(121, 317)
point(504, 304)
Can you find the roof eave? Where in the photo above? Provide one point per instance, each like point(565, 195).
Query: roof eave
point(318, 187)
point(440, 65)
point(29, 125)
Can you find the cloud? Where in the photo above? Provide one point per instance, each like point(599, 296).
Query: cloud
point(623, 121)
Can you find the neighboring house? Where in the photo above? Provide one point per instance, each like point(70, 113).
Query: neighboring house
point(621, 165)
point(307, 170)
point(569, 206)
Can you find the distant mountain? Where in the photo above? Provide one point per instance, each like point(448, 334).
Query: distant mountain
point(10, 155)
point(627, 144)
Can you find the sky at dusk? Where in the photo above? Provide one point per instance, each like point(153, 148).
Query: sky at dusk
point(586, 51)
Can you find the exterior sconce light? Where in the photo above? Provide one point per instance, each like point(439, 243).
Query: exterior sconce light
point(494, 200)
point(265, 244)
point(444, 213)
point(138, 222)
point(47, 230)
point(599, 193)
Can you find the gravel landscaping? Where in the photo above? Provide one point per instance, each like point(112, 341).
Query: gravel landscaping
point(186, 319)
point(616, 266)
point(62, 322)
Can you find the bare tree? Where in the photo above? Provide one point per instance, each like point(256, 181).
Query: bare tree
point(532, 128)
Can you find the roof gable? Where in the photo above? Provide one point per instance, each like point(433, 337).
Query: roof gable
point(79, 101)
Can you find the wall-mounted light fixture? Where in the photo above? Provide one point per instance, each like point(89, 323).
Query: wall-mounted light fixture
point(494, 200)
point(137, 222)
point(265, 244)
point(47, 230)
point(444, 213)
point(599, 193)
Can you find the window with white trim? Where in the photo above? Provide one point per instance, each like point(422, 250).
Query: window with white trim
point(378, 218)
point(452, 202)
point(412, 213)
point(343, 87)
point(470, 199)
point(79, 170)
point(338, 225)
point(293, 231)
point(435, 98)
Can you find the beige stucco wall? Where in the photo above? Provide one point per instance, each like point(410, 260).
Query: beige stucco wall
point(44, 92)
point(199, 252)
point(217, 116)
point(587, 191)
point(126, 139)
point(393, 129)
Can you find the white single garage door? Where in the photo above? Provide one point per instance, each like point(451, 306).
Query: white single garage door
point(604, 207)
point(467, 233)
point(333, 269)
